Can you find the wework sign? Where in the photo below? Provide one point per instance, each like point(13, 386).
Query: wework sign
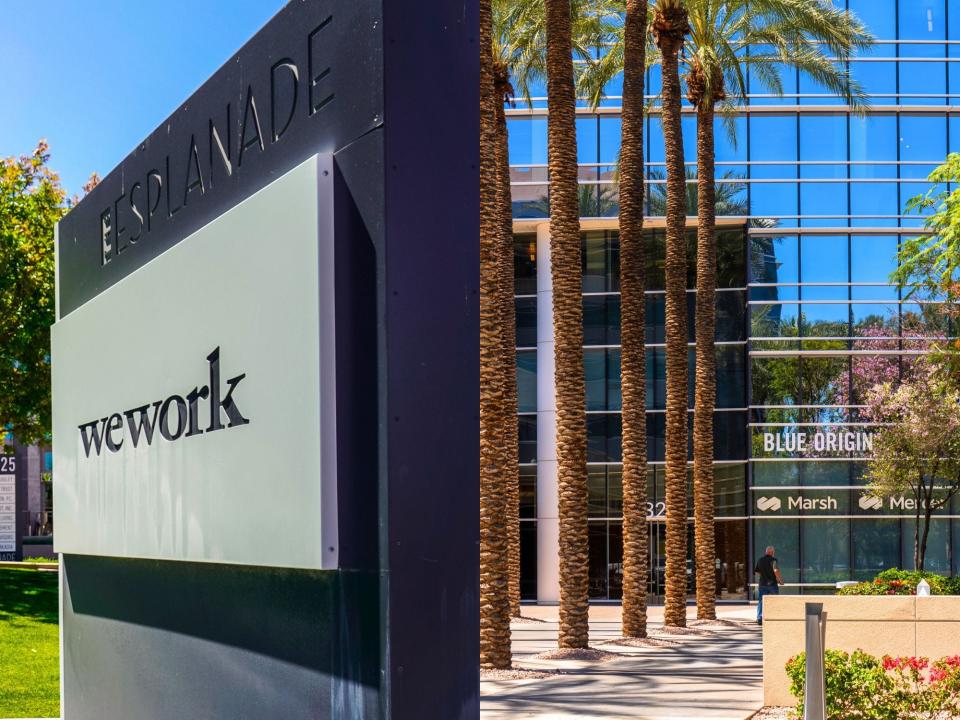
point(173, 417)
point(188, 429)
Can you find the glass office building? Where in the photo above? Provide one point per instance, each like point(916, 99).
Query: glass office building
point(812, 201)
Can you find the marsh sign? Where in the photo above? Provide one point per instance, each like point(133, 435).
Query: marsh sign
point(852, 501)
point(243, 346)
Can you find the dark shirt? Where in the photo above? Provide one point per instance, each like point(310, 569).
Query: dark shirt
point(764, 569)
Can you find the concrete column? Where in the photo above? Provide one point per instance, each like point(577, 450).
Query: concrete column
point(548, 521)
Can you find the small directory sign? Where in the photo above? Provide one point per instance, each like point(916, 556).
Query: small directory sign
point(8, 510)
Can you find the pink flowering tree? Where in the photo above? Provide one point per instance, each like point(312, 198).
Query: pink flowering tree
point(877, 338)
point(917, 446)
point(879, 355)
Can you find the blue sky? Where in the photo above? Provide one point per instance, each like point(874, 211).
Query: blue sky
point(94, 77)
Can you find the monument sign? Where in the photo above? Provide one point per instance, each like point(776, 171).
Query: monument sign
point(266, 460)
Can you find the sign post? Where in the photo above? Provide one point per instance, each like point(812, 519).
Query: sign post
point(265, 371)
point(814, 687)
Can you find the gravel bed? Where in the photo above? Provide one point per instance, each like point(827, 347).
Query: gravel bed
point(583, 654)
point(669, 630)
point(517, 673)
point(647, 642)
point(720, 623)
point(774, 713)
point(522, 620)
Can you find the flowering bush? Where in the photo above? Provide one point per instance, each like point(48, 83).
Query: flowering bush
point(859, 685)
point(856, 685)
point(903, 582)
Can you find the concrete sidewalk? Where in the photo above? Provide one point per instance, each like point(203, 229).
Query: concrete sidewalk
point(715, 673)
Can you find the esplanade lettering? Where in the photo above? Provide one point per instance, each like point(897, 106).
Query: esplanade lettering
point(173, 418)
point(217, 148)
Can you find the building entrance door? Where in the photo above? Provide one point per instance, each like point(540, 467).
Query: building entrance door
point(730, 565)
point(658, 562)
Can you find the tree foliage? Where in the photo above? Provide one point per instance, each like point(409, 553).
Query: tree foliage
point(520, 39)
point(811, 35)
point(932, 262)
point(917, 449)
point(31, 203)
point(929, 264)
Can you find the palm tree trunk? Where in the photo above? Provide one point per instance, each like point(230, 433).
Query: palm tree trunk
point(633, 361)
point(924, 537)
point(705, 391)
point(494, 602)
point(669, 27)
point(511, 470)
point(567, 329)
point(917, 558)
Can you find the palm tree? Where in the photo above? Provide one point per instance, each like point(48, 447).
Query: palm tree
point(799, 33)
point(519, 60)
point(567, 328)
point(633, 380)
point(494, 606)
point(503, 92)
point(669, 28)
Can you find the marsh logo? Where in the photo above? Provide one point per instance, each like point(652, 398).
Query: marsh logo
point(175, 417)
point(870, 502)
point(765, 504)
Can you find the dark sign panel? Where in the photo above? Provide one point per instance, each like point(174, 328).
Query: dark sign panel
point(310, 82)
point(13, 501)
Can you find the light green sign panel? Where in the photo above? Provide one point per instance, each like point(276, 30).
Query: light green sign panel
point(193, 401)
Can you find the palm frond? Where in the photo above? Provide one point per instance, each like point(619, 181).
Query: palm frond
point(520, 37)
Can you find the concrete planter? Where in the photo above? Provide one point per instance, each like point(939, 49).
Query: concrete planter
point(879, 625)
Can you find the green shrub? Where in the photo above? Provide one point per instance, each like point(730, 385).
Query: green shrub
point(903, 582)
point(857, 685)
point(860, 686)
point(952, 586)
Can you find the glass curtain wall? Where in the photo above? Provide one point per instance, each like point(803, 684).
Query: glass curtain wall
point(601, 310)
point(823, 193)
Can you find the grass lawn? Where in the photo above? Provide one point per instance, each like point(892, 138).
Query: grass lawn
point(29, 645)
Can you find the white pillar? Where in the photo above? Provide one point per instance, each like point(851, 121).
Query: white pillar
point(548, 521)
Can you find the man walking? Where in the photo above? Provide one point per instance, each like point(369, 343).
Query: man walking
point(770, 580)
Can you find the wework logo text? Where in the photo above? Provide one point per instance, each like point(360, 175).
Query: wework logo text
point(173, 418)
